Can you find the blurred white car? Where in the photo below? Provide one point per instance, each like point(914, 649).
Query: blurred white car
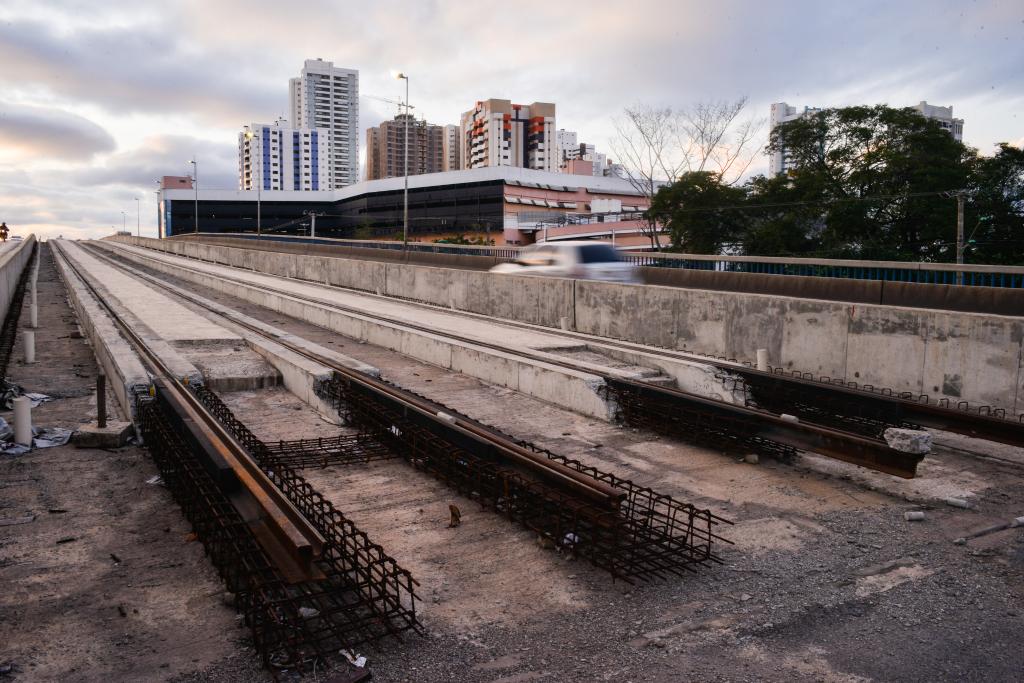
point(582, 259)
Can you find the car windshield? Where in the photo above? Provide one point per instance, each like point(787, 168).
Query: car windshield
point(598, 253)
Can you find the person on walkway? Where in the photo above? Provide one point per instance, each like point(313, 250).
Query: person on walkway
point(3, 231)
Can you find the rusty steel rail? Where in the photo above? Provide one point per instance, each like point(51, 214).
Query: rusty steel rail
point(870, 412)
point(628, 530)
point(734, 423)
point(742, 430)
point(308, 582)
point(643, 535)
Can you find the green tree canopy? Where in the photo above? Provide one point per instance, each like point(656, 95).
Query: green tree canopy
point(698, 210)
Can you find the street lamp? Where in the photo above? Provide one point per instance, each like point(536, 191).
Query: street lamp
point(249, 136)
point(124, 221)
point(405, 193)
point(138, 218)
point(195, 183)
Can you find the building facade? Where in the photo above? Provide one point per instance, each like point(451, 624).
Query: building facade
point(781, 112)
point(386, 144)
point(516, 205)
point(326, 96)
point(944, 117)
point(452, 148)
point(568, 146)
point(500, 133)
point(279, 157)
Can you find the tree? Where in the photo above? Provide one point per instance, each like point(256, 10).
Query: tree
point(994, 215)
point(877, 175)
point(699, 211)
point(658, 144)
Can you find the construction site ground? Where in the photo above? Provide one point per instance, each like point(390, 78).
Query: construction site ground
point(826, 580)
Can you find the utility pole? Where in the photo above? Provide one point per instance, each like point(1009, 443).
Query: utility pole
point(138, 218)
point(960, 197)
point(195, 182)
point(312, 222)
point(405, 194)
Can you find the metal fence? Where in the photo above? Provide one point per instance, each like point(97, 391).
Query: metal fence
point(894, 271)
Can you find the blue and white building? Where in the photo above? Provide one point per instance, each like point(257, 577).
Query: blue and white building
point(279, 157)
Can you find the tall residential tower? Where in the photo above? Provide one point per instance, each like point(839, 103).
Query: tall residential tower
point(386, 144)
point(278, 157)
point(326, 96)
point(499, 133)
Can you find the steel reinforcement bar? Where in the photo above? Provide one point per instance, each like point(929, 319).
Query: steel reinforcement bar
point(870, 413)
point(745, 430)
point(643, 535)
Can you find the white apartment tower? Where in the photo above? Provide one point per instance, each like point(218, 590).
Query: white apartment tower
point(452, 148)
point(944, 117)
point(568, 146)
point(499, 133)
point(326, 96)
point(279, 157)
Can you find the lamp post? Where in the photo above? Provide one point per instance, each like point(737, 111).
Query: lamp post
point(124, 221)
point(195, 183)
point(138, 218)
point(405, 193)
point(249, 135)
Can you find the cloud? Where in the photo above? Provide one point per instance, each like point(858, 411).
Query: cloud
point(138, 68)
point(29, 134)
point(161, 155)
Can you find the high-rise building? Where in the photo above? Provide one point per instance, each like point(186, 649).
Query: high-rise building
point(279, 157)
point(568, 146)
point(499, 133)
point(386, 144)
point(782, 112)
point(944, 117)
point(326, 96)
point(452, 148)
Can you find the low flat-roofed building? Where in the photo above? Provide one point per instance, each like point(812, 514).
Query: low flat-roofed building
point(513, 204)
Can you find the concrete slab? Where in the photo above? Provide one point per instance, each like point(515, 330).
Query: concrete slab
point(190, 345)
point(114, 435)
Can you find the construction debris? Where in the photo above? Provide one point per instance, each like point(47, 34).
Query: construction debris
point(908, 440)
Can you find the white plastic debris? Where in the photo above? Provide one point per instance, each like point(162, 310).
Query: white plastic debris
point(155, 480)
point(914, 516)
point(789, 418)
point(751, 458)
point(48, 437)
point(957, 503)
point(308, 612)
point(908, 440)
point(354, 659)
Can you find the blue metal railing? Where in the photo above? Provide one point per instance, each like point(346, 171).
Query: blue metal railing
point(893, 271)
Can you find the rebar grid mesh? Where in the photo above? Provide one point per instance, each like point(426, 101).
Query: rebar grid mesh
point(362, 596)
point(716, 429)
point(647, 535)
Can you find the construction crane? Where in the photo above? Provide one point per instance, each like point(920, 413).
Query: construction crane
point(397, 103)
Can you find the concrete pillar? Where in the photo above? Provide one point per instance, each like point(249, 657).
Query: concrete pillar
point(762, 360)
point(29, 338)
point(23, 420)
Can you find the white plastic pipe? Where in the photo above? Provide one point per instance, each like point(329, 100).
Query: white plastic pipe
point(23, 420)
point(762, 360)
point(34, 315)
point(30, 346)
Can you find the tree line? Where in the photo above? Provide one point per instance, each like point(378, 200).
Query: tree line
point(868, 182)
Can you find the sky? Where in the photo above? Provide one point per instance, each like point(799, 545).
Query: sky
point(99, 100)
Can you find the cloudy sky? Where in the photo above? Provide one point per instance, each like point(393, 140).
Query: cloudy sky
point(99, 99)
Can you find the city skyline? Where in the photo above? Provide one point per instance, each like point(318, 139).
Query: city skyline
point(101, 104)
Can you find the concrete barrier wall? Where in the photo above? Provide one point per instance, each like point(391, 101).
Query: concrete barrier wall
point(960, 356)
point(12, 264)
